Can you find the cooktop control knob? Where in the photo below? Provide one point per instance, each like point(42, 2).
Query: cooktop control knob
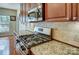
point(23, 48)
point(17, 41)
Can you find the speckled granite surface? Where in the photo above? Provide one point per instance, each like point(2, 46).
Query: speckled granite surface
point(55, 48)
point(70, 37)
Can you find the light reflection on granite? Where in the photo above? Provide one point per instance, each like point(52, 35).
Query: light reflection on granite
point(55, 48)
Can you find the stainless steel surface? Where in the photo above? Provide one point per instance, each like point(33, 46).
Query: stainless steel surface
point(25, 42)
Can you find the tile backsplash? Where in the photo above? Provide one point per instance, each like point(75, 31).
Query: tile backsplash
point(70, 26)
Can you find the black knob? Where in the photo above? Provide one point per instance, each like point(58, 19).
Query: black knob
point(17, 41)
point(23, 48)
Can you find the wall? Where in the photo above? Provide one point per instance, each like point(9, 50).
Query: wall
point(68, 26)
point(9, 12)
point(29, 28)
point(13, 6)
point(17, 21)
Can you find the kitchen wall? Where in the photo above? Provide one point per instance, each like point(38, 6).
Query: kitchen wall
point(5, 11)
point(30, 26)
point(68, 26)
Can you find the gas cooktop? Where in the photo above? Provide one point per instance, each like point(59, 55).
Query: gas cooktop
point(34, 39)
point(40, 36)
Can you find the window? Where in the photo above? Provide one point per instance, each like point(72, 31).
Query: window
point(4, 23)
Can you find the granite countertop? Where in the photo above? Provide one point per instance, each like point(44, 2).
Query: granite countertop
point(55, 48)
point(67, 36)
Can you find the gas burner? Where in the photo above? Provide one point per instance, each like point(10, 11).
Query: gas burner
point(33, 39)
point(38, 37)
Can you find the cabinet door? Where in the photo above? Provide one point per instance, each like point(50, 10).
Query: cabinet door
point(23, 9)
point(28, 6)
point(74, 7)
point(33, 5)
point(77, 11)
point(57, 11)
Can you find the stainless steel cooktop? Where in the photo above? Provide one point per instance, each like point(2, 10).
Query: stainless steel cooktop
point(40, 35)
point(34, 39)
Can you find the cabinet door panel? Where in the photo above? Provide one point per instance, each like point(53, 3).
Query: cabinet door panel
point(33, 5)
point(57, 11)
point(54, 10)
point(23, 9)
point(74, 11)
point(78, 11)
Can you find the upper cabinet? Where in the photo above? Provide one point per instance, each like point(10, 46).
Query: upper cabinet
point(74, 11)
point(57, 11)
point(23, 9)
point(31, 12)
point(61, 11)
point(33, 5)
point(52, 11)
point(77, 11)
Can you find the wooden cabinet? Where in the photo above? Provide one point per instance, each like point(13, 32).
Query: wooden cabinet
point(27, 6)
point(54, 11)
point(77, 11)
point(23, 9)
point(73, 11)
point(57, 11)
point(61, 11)
point(33, 5)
